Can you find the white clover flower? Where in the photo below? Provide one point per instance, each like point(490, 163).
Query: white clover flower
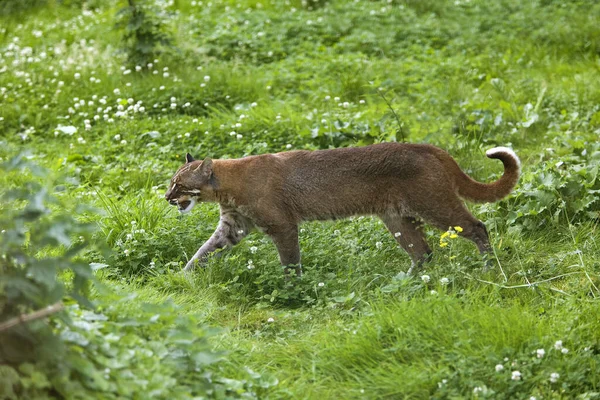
point(554, 377)
point(336, 99)
point(165, 74)
point(117, 91)
point(361, 101)
point(327, 98)
point(250, 264)
point(425, 278)
point(123, 142)
point(288, 146)
point(499, 367)
point(540, 353)
point(206, 78)
point(126, 252)
point(516, 376)
point(433, 292)
point(271, 320)
point(378, 245)
point(117, 137)
point(138, 68)
point(558, 345)
point(253, 249)
point(321, 284)
point(345, 104)
point(477, 390)
point(564, 350)
point(254, 104)
point(127, 72)
point(77, 75)
point(444, 281)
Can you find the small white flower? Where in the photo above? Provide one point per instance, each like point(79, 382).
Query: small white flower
point(397, 234)
point(336, 232)
point(165, 74)
point(378, 245)
point(558, 344)
point(206, 78)
point(77, 75)
point(123, 142)
point(564, 350)
point(540, 353)
point(253, 249)
point(477, 390)
point(444, 281)
point(499, 367)
point(254, 104)
point(250, 264)
point(361, 102)
point(554, 377)
point(336, 99)
point(516, 376)
point(126, 252)
point(433, 292)
point(321, 284)
point(271, 320)
point(117, 137)
point(327, 98)
point(117, 91)
point(425, 278)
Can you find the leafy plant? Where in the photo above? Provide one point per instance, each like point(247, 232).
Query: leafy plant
point(145, 34)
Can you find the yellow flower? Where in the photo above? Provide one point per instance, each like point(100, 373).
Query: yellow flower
point(458, 229)
point(453, 236)
point(445, 235)
point(443, 244)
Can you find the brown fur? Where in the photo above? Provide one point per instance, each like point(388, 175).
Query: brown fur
point(401, 183)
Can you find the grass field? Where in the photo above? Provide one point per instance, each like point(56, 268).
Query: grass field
point(252, 77)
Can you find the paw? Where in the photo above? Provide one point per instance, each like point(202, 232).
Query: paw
point(190, 266)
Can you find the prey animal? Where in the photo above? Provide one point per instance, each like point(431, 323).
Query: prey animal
point(403, 184)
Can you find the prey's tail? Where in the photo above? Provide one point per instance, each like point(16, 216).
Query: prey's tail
point(478, 192)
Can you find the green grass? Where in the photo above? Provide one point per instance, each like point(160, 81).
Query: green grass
point(463, 75)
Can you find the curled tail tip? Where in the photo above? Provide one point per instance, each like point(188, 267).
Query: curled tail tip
point(497, 152)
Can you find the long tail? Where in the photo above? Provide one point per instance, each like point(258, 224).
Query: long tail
point(478, 192)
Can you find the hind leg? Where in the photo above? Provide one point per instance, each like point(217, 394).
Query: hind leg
point(454, 214)
point(409, 234)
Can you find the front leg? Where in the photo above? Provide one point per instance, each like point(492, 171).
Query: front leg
point(285, 238)
point(232, 228)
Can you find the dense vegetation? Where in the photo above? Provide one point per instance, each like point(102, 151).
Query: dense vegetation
point(100, 100)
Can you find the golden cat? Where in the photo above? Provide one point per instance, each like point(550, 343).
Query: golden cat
point(401, 183)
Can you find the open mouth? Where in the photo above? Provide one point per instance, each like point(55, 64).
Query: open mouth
point(183, 205)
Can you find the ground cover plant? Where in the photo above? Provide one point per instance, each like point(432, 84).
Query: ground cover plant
point(100, 101)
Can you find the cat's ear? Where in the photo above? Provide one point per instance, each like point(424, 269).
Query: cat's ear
point(189, 158)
